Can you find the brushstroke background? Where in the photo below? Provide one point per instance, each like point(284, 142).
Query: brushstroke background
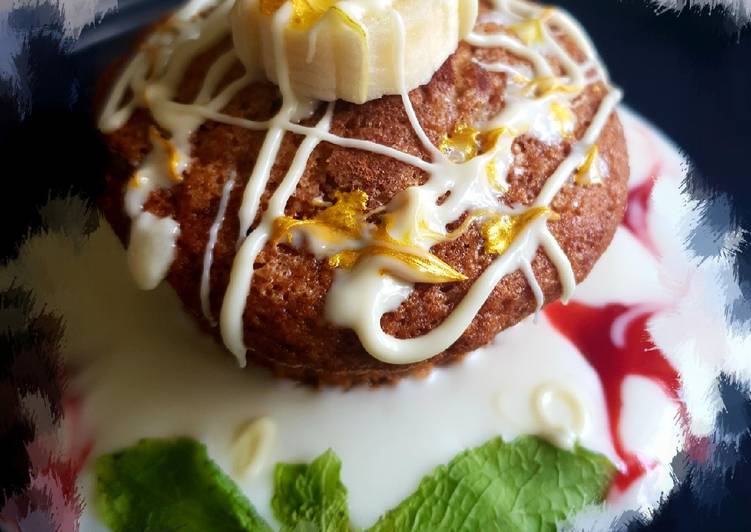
point(689, 72)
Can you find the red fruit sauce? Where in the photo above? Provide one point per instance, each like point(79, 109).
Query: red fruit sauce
point(590, 329)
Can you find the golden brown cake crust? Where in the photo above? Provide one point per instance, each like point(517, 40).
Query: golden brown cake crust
point(285, 328)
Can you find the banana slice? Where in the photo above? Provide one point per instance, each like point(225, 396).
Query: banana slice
point(346, 49)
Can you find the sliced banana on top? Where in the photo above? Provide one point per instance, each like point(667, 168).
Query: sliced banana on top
point(347, 49)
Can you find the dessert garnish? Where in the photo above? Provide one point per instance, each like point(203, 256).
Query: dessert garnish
point(527, 484)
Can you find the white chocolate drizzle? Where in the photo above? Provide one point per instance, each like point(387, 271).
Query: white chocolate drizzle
point(152, 249)
point(561, 412)
point(208, 257)
point(538, 104)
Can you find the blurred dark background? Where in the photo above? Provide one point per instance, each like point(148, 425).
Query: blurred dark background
point(689, 73)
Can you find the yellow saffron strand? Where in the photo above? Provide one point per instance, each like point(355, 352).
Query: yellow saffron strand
point(269, 7)
point(501, 230)
point(427, 267)
point(463, 141)
point(468, 142)
point(545, 85)
point(564, 119)
point(307, 13)
point(347, 218)
point(529, 32)
point(532, 32)
point(583, 173)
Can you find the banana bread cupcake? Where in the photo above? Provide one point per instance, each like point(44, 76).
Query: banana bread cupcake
point(350, 192)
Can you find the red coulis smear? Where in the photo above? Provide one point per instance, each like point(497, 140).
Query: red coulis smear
point(590, 329)
point(635, 219)
point(81, 444)
point(593, 331)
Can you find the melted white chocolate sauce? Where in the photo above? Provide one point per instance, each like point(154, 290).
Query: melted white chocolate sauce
point(152, 249)
point(546, 116)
